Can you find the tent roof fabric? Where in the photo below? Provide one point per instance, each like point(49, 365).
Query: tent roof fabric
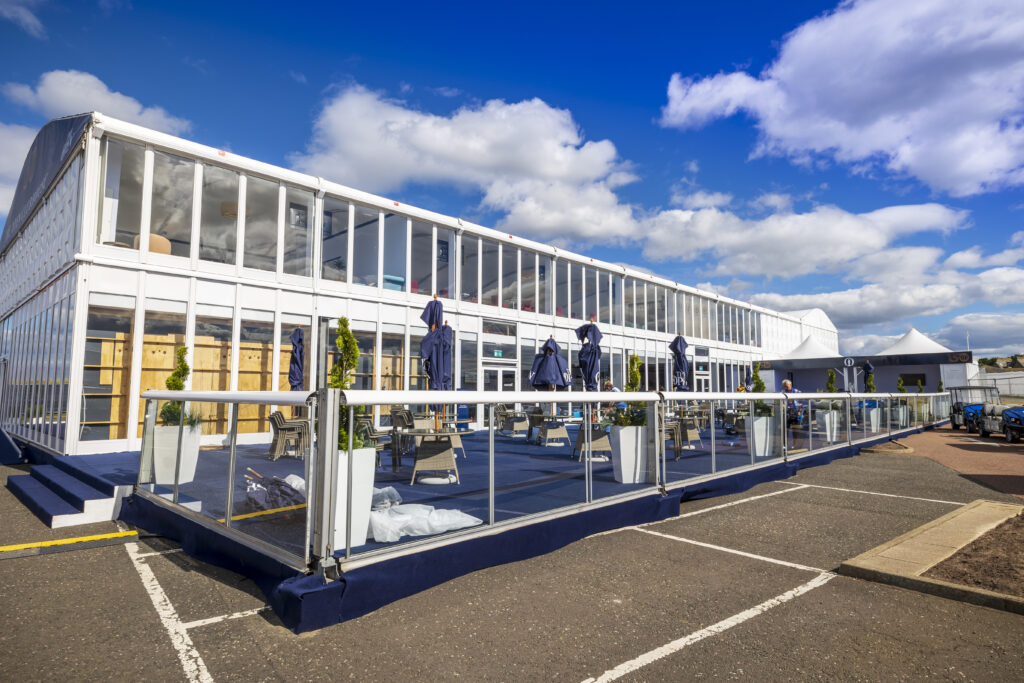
point(810, 348)
point(813, 316)
point(913, 342)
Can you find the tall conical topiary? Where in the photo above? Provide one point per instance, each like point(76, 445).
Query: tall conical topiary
point(830, 385)
point(340, 376)
point(920, 386)
point(170, 413)
point(899, 385)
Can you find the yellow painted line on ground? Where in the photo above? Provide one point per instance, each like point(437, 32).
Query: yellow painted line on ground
point(66, 541)
point(250, 515)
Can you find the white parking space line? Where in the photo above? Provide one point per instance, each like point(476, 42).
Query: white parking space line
point(795, 487)
point(224, 617)
point(191, 661)
point(697, 636)
point(872, 493)
point(792, 565)
point(157, 553)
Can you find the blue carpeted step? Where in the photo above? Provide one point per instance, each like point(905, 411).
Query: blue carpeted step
point(67, 464)
point(71, 489)
point(43, 502)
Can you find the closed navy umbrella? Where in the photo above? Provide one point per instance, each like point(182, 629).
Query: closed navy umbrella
point(748, 380)
point(549, 368)
point(680, 378)
point(436, 349)
point(433, 314)
point(590, 354)
point(296, 365)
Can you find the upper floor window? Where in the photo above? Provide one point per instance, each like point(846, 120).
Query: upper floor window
point(261, 202)
point(298, 226)
point(334, 241)
point(120, 210)
point(219, 218)
point(170, 224)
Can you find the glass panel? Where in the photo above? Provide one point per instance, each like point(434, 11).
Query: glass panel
point(261, 201)
point(335, 240)
point(421, 263)
point(616, 300)
point(527, 352)
point(364, 246)
point(445, 272)
point(663, 308)
point(298, 226)
point(528, 283)
point(544, 280)
point(255, 372)
point(391, 359)
point(106, 374)
point(616, 376)
point(171, 216)
point(468, 374)
point(576, 291)
point(362, 378)
point(470, 269)
point(120, 211)
point(218, 224)
point(604, 313)
point(417, 377)
point(285, 360)
point(489, 273)
point(562, 289)
point(211, 369)
point(395, 231)
point(591, 311)
point(509, 276)
point(652, 307)
point(163, 335)
point(630, 294)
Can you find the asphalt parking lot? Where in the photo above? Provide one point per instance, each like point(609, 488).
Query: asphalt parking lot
point(736, 587)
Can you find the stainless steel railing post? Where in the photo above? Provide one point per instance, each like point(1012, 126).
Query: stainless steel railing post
point(229, 505)
point(177, 459)
point(490, 464)
point(351, 469)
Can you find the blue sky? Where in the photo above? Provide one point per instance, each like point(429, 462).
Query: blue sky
point(866, 158)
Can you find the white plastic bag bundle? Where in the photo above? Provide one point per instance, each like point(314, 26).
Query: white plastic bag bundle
point(412, 519)
point(385, 498)
point(296, 482)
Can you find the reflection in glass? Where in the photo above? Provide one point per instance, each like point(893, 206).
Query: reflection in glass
point(164, 334)
point(106, 373)
point(489, 272)
point(261, 200)
point(604, 305)
point(171, 216)
point(652, 307)
point(392, 359)
point(395, 229)
point(468, 374)
point(616, 300)
point(591, 279)
point(255, 372)
point(219, 215)
point(544, 280)
point(470, 269)
point(576, 291)
point(120, 211)
point(211, 369)
point(335, 240)
point(561, 286)
point(362, 378)
point(528, 282)
point(420, 261)
point(509, 279)
point(364, 246)
point(298, 226)
point(445, 270)
point(630, 302)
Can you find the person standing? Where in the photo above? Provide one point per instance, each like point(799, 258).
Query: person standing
point(796, 415)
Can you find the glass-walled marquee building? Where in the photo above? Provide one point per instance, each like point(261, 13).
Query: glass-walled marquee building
point(124, 244)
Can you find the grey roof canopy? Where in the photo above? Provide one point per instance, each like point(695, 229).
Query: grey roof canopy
point(45, 158)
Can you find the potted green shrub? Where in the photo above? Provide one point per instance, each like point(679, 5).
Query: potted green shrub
point(165, 434)
point(363, 459)
point(627, 434)
point(829, 411)
point(874, 412)
point(761, 423)
point(902, 411)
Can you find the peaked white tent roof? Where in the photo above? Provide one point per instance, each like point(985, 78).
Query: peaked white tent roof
point(810, 348)
point(913, 342)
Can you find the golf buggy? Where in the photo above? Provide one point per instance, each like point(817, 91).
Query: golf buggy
point(967, 403)
point(1013, 423)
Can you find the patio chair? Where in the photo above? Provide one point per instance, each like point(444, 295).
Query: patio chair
point(288, 433)
point(599, 441)
point(686, 433)
point(535, 414)
point(510, 420)
point(372, 436)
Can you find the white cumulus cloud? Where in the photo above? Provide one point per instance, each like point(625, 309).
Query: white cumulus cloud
point(527, 159)
point(60, 93)
point(992, 334)
point(701, 199)
point(14, 143)
point(933, 90)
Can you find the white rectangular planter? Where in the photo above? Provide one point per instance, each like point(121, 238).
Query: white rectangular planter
point(629, 454)
point(874, 415)
point(364, 463)
point(165, 452)
point(902, 416)
point(759, 435)
point(830, 421)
